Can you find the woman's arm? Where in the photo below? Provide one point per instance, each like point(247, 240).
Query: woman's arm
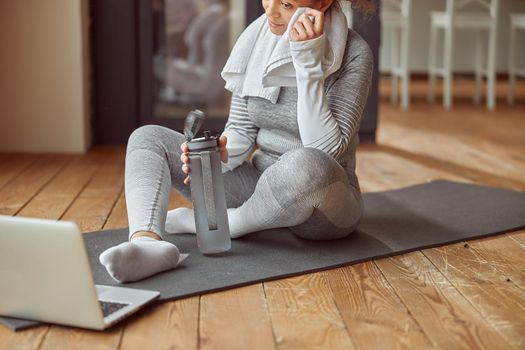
point(241, 133)
point(329, 119)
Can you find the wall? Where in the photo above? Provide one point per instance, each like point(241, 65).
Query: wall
point(464, 49)
point(44, 76)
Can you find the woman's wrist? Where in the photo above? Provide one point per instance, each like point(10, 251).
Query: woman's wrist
point(312, 44)
point(307, 58)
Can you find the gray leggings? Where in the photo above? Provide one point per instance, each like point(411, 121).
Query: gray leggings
point(306, 190)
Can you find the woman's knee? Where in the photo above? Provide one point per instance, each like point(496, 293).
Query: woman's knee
point(303, 171)
point(306, 156)
point(154, 138)
point(310, 163)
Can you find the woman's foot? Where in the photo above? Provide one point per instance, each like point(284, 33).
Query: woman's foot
point(140, 258)
point(180, 220)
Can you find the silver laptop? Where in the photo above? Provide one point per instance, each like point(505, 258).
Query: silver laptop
point(45, 276)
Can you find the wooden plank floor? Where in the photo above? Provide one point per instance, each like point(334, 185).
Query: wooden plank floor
point(465, 295)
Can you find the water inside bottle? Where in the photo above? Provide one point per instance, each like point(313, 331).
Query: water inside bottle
point(212, 242)
point(215, 238)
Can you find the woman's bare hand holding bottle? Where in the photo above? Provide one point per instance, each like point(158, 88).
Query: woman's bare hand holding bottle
point(185, 158)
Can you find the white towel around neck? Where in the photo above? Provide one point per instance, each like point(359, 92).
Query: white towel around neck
point(261, 62)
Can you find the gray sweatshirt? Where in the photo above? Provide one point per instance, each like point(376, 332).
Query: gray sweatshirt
point(319, 113)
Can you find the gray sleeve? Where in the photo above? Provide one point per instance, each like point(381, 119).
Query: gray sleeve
point(329, 119)
point(241, 133)
point(348, 95)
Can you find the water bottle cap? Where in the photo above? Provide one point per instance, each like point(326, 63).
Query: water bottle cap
point(208, 141)
point(192, 123)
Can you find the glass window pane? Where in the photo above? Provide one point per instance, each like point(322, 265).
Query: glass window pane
point(193, 39)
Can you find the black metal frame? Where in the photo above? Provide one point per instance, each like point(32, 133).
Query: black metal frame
point(369, 27)
point(114, 96)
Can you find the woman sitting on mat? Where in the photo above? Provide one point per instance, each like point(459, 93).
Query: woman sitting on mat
point(300, 81)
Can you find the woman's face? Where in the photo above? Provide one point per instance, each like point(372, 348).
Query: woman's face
point(279, 12)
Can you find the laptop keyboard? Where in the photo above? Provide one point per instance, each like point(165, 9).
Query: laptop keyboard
point(110, 307)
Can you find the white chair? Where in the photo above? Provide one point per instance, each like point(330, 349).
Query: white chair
point(517, 21)
point(395, 17)
point(459, 15)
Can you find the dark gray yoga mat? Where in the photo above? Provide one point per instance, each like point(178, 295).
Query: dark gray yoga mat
point(394, 222)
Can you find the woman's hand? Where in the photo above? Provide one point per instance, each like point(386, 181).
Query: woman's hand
point(185, 158)
point(304, 29)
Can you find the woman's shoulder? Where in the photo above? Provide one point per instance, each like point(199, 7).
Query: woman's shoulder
point(356, 47)
point(357, 58)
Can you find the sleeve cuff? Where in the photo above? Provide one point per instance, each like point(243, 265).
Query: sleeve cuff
point(312, 44)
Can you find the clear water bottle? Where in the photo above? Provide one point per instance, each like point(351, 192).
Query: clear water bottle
point(207, 191)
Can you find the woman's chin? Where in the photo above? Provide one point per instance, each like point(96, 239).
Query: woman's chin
point(277, 31)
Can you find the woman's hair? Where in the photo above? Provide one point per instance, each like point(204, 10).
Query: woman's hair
point(361, 5)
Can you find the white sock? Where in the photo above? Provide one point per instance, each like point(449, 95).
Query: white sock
point(239, 225)
point(140, 258)
point(182, 220)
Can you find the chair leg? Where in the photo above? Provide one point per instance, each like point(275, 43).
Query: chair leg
point(479, 66)
point(394, 60)
point(447, 67)
point(491, 69)
point(512, 65)
point(431, 93)
point(405, 80)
